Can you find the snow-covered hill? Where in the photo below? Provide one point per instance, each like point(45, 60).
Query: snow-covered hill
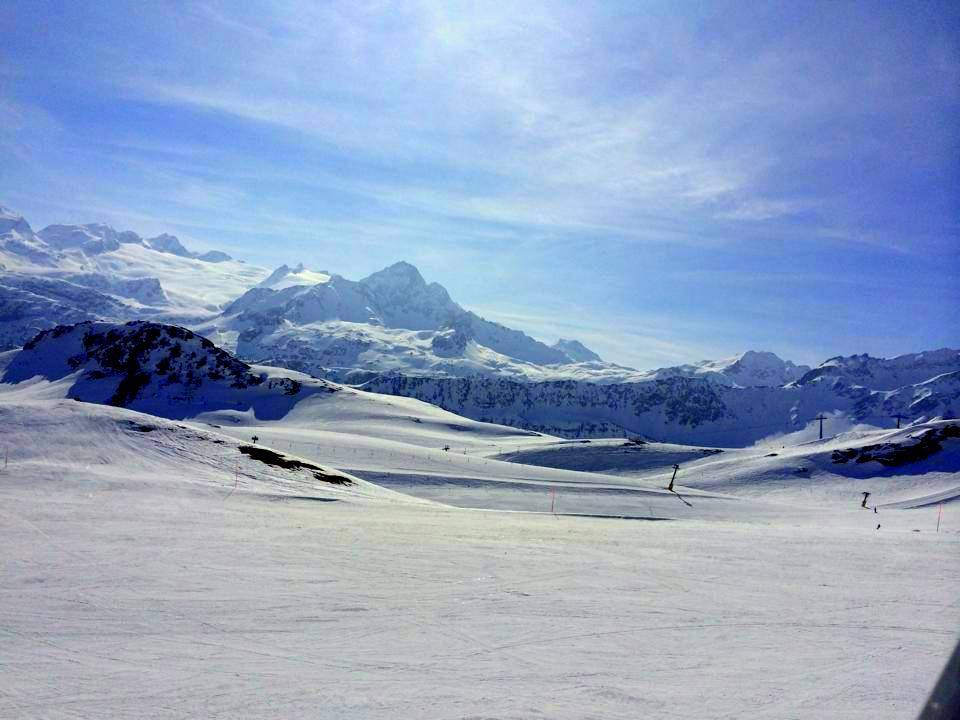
point(171, 372)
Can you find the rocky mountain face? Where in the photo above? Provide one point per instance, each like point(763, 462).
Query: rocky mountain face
point(690, 410)
point(31, 304)
point(162, 369)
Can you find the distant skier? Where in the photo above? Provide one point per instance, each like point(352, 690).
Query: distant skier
point(864, 503)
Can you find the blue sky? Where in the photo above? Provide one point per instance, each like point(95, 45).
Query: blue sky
point(665, 181)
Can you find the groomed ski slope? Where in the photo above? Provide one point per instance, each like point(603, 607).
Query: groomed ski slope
point(148, 574)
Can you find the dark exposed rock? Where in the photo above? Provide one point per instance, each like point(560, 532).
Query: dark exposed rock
point(896, 454)
point(275, 459)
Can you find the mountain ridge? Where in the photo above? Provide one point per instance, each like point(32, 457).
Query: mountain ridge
point(167, 370)
point(390, 322)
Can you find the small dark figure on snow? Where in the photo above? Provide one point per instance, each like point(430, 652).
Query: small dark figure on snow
point(864, 503)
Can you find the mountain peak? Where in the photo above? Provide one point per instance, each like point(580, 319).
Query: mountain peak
point(760, 367)
point(10, 220)
point(92, 239)
point(170, 244)
point(399, 273)
point(286, 276)
point(576, 351)
point(762, 359)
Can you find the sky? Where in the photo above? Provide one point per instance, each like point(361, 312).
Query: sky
point(667, 182)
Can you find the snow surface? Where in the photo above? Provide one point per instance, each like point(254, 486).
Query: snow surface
point(431, 565)
point(147, 574)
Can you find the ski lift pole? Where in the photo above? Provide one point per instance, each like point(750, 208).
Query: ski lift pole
point(821, 417)
point(670, 486)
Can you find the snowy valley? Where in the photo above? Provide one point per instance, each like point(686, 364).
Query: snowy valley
point(392, 504)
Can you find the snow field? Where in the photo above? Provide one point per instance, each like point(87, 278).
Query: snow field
point(152, 571)
point(158, 600)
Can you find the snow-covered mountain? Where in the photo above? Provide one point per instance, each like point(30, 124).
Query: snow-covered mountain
point(315, 321)
point(144, 366)
point(19, 245)
point(884, 374)
point(393, 320)
point(68, 273)
point(693, 410)
point(576, 351)
point(171, 371)
point(750, 369)
point(97, 238)
point(395, 333)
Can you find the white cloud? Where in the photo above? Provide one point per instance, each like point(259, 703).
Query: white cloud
point(483, 88)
